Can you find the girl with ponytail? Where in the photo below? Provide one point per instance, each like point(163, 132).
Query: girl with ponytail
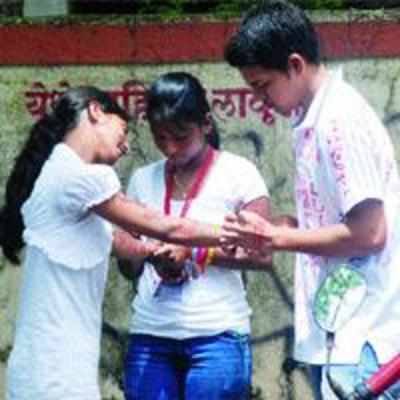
point(61, 198)
point(45, 134)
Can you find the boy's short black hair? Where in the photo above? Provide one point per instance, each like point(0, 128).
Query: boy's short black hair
point(269, 33)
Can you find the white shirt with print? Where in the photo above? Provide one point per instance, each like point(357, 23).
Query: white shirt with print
point(344, 156)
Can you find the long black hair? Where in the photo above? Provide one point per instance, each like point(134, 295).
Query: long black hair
point(44, 135)
point(179, 98)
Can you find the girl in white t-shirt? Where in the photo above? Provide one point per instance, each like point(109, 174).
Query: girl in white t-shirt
point(190, 328)
point(60, 199)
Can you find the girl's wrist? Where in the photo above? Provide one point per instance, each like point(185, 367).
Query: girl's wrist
point(203, 256)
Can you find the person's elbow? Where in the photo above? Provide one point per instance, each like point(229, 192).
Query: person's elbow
point(367, 222)
point(378, 238)
point(372, 239)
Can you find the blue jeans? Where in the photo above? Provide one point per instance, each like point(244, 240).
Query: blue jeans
point(348, 376)
point(204, 368)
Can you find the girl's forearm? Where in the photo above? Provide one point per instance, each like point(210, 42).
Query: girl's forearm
point(128, 247)
point(133, 217)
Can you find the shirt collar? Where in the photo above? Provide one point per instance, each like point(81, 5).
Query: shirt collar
point(314, 111)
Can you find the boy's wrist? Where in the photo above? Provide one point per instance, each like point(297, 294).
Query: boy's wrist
point(278, 240)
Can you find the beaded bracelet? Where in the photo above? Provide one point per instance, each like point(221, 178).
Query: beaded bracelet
point(202, 256)
point(195, 250)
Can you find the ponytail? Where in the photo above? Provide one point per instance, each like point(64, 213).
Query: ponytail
point(44, 135)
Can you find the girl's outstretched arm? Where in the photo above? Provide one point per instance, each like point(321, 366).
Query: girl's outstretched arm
point(133, 217)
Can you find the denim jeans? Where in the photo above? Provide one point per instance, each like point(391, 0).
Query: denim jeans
point(315, 376)
point(204, 368)
point(348, 376)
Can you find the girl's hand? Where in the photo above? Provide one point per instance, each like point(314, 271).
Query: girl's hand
point(169, 262)
point(173, 253)
point(248, 230)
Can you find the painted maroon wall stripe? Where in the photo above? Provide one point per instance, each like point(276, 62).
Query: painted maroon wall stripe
point(166, 43)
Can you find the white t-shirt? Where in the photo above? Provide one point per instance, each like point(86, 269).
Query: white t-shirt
point(344, 156)
point(56, 348)
point(216, 301)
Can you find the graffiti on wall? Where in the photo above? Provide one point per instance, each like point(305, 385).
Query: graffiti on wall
point(236, 102)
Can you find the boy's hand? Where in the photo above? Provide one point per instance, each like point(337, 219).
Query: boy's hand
point(248, 230)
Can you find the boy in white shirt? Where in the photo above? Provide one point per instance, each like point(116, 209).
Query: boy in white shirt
point(346, 190)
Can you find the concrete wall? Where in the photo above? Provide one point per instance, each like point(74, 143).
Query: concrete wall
point(39, 62)
point(270, 294)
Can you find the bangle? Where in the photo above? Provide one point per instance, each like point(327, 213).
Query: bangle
point(211, 251)
point(216, 230)
point(199, 257)
point(195, 251)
